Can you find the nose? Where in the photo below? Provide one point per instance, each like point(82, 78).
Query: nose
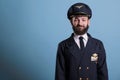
point(79, 22)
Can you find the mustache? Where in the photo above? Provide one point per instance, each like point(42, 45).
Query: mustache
point(80, 26)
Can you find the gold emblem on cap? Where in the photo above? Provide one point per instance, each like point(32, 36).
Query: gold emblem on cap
point(79, 6)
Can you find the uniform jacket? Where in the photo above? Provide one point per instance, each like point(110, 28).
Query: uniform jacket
point(74, 64)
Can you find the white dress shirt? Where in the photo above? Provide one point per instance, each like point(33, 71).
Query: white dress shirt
point(85, 39)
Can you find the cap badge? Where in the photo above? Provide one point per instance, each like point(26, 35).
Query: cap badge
point(79, 6)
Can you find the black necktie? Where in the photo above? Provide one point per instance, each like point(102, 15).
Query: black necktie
point(81, 43)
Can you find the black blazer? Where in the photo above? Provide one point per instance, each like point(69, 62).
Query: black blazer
point(74, 64)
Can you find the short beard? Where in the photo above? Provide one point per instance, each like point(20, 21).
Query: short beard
point(78, 32)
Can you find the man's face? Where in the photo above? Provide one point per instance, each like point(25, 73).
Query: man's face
point(80, 24)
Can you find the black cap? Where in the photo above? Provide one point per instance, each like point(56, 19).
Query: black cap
point(79, 9)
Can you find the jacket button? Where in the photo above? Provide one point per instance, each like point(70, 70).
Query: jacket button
point(79, 68)
point(80, 78)
point(87, 68)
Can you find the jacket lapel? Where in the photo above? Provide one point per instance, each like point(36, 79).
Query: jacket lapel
point(90, 45)
point(74, 49)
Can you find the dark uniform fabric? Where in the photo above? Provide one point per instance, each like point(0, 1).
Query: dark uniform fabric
point(74, 64)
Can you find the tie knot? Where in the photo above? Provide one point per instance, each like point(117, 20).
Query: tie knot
point(81, 38)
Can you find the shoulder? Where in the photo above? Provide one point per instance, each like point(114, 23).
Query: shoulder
point(65, 42)
point(95, 40)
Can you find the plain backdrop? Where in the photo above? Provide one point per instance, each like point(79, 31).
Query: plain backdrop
point(30, 31)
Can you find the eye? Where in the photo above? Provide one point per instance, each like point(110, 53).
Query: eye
point(75, 19)
point(84, 20)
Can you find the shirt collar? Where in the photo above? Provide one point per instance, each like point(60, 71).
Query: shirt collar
point(85, 37)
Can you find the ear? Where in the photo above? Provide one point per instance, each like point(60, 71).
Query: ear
point(88, 21)
point(71, 21)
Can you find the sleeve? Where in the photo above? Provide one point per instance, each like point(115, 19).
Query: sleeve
point(60, 64)
point(102, 65)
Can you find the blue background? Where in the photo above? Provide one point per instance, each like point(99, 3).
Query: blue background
point(30, 31)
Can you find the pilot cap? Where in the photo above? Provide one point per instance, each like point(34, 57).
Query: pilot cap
point(79, 9)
